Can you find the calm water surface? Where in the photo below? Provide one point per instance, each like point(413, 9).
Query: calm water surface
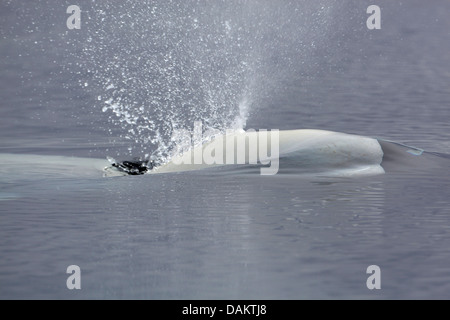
point(208, 236)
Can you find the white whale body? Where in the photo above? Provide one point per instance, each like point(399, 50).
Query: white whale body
point(302, 152)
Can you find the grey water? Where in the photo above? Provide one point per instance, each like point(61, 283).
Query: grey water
point(199, 235)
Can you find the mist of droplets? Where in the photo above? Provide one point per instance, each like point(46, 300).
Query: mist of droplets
point(163, 65)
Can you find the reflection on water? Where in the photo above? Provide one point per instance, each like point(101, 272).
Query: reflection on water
point(214, 236)
point(236, 236)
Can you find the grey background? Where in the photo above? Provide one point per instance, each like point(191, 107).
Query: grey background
point(201, 235)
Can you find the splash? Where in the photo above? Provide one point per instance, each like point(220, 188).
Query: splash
point(163, 65)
